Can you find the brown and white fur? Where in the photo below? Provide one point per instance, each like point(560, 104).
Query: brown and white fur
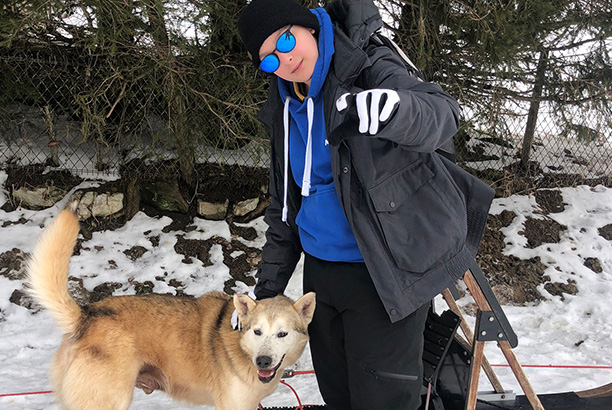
point(184, 347)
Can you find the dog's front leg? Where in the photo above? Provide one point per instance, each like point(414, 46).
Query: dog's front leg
point(237, 402)
point(237, 406)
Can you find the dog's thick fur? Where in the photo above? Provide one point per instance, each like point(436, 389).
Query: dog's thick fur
point(185, 347)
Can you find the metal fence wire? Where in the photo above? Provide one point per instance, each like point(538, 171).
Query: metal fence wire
point(72, 109)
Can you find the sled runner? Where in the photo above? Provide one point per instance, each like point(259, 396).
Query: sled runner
point(452, 364)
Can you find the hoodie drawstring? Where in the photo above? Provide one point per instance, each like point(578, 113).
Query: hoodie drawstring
point(307, 159)
point(286, 156)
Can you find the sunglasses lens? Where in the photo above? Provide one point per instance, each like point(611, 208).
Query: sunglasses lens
point(286, 42)
point(269, 64)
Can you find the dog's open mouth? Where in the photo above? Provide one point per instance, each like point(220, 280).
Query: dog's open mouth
point(266, 375)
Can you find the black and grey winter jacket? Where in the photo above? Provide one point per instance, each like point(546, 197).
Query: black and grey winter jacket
point(417, 217)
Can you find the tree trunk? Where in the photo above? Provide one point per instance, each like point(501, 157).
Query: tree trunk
point(534, 108)
point(131, 201)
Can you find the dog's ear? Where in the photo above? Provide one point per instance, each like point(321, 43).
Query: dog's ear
point(305, 306)
point(243, 304)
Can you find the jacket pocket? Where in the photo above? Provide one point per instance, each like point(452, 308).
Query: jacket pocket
point(422, 216)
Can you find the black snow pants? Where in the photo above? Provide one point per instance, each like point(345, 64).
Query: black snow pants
point(362, 361)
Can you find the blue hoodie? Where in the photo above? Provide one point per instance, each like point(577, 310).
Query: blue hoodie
point(323, 228)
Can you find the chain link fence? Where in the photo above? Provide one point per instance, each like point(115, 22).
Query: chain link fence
point(64, 110)
point(566, 149)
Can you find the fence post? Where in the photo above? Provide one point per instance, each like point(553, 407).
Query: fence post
point(534, 108)
point(53, 142)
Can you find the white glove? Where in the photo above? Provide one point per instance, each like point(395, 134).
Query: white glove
point(236, 325)
point(369, 109)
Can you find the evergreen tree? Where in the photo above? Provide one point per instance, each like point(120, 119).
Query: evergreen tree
point(488, 53)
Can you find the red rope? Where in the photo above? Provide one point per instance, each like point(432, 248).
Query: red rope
point(298, 373)
point(300, 405)
point(553, 366)
point(26, 394)
point(295, 393)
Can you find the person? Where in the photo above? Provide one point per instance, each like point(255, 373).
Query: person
point(358, 184)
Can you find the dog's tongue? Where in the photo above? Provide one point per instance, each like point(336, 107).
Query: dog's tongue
point(265, 373)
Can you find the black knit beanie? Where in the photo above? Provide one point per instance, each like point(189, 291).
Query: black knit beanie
point(260, 18)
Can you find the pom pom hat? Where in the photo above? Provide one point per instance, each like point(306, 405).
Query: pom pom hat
point(261, 18)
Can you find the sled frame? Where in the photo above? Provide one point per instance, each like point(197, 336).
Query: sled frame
point(491, 325)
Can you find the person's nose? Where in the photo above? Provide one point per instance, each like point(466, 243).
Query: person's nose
point(285, 58)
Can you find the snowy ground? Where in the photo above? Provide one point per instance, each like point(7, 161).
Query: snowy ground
point(572, 331)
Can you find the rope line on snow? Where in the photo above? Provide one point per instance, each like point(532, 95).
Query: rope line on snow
point(26, 394)
point(556, 366)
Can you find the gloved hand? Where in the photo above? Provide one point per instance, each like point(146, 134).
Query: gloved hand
point(236, 325)
point(374, 107)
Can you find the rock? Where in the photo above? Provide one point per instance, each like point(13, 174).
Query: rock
point(87, 199)
point(85, 203)
point(98, 204)
point(244, 207)
point(165, 196)
point(212, 210)
point(38, 198)
point(106, 204)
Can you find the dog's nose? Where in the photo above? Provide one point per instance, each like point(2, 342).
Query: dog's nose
point(263, 362)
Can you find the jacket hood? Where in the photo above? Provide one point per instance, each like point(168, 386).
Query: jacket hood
point(358, 19)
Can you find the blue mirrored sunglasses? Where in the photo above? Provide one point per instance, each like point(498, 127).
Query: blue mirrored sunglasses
point(284, 44)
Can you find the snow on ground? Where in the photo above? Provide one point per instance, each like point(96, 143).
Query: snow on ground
point(575, 330)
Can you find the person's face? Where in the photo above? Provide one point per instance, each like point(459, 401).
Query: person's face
point(298, 64)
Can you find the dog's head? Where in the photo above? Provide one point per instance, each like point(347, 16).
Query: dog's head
point(275, 331)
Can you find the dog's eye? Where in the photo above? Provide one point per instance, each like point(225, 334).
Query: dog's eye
point(257, 332)
point(282, 334)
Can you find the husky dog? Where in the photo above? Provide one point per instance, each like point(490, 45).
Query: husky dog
point(184, 347)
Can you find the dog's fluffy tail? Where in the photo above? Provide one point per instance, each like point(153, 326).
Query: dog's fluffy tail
point(48, 270)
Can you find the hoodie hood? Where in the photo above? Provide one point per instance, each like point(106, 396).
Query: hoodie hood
point(323, 228)
point(326, 52)
point(305, 120)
